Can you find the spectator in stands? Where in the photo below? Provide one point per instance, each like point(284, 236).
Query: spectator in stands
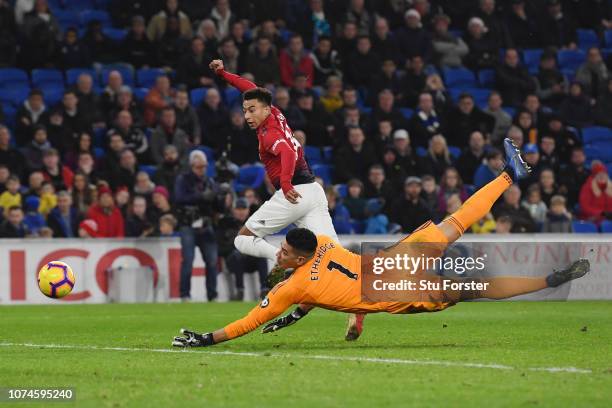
point(223, 17)
point(534, 204)
point(122, 200)
point(169, 169)
point(412, 38)
point(8, 33)
point(551, 84)
point(167, 226)
point(549, 157)
point(239, 145)
point(531, 154)
point(503, 120)
point(82, 192)
point(33, 152)
point(483, 47)
point(406, 156)
point(101, 48)
point(230, 54)
point(363, 63)
point(494, 22)
point(9, 156)
point(354, 201)
point(133, 137)
point(326, 61)
point(576, 109)
point(573, 176)
point(332, 96)
point(40, 31)
point(168, 133)
point(207, 31)
point(413, 81)
point(115, 146)
point(137, 223)
point(108, 99)
point(438, 158)
point(513, 80)
point(358, 14)
point(11, 196)
point(64, 219)
point(429, 193)
point(106, 215)
point(31, 113)
point(88, 101)
point(5, 173)
point(13, 225)
point(539, 117)
point(547, 185)
point(378, 186)
point(282, 101)
point(160, 21)
point(196, 194)
point(172, 45)
point(603, 107)
point(387, 77)
point(187, 117)
point(593, 74)
point(263, 62)
point(355, 158)
point(125, 102)
point(72, 53)
point(88, 229)
point(383, 138)
point(384, 43)
point(471, 158)
point(556, 28)
point(193, 68)
point(125, 173)
point(503, 225)
point(558, 219)
point(295, 59)
point(214, 118)
point(511, 206)
point(425, 123)
point(394, 171)
point(385, 109)
point(522, 27)
point(524, 121)
point(596, 195)
point(465, 119)
point(489, 169)
point(340, 215)
point(159, 98)
point(410, 210)
point(74, 121)
point(143, 185)
point(442, 99)
point(448, 50)
point(56, 173)
point(319, 125)
point(161, 203)
point(565, 140)
point(451, 184)
point(87, 165)
point(137, 49)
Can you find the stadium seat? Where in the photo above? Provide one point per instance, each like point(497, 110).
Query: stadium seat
point(115, 34)
point(99, 152)
point(145, 77)
point(88, 16)
point(509, 110)
point(454, 151)
point(328, 154)
point(149, 169)
point(67, 19)
point(596, 134)
point(455, 77)
point(342, 190)
point(325, 171)
point(481, 96)
point(421, 151)
point(313, 155)
point(249, 177)
point(587, 39)
point(584, 227)
point(79, 5)
point(599, 151)
point(140, 93)
point(10, 112)
point(197, 95)
point(72, 75)
point(231, 96)
point(366, 110)
point(45, 77)
point(126, 74)
point(606, 226)
point(208, 151)
point(358, 226)
point(14, 96)
point(486, 78)
point(52, 94)
point(13, 77)
point(571, 59)
point(531, 57)
point(406, 113)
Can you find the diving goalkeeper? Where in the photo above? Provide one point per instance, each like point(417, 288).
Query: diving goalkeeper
point(338, 271)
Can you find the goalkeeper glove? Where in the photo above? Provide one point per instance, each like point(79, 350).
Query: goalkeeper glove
point(193, 339)
point(284, 321)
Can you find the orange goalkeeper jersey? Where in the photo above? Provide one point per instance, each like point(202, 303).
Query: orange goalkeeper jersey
point(331, 280)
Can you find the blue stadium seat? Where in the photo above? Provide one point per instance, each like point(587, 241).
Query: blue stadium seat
point(44, 77)
point(231, 96)
point(99, 152)
point(249, 177)
point(13, 77)
point(149, 169)
point(328, 154)
point(313, 155)
point(606, 226)
point(342, 190)
point(67, 19)
point(145, 77)
point(421, 151)
point(599, 151)
point(531, 57)
point(596, 134)
point(52, 94)
point(72, 75)
point(126, 73)
point(571, 59)
point(584, 227)
point(14, 96)
point(10, 112)
point(509, 110)
point(358, 226)
point(454, 77)
point(88, 16)
point(454, 151)
point(208, 151)
point(140, 93)
point(587, 39)
point(608, 38)
point(79, 5)
point(486, 78)
point(406, 113)
point(197, 95)
point(481, 96)
point(366, 110)
point(325, 171)
point(115, 34)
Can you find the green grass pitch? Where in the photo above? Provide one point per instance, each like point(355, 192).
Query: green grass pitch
point(473, 354)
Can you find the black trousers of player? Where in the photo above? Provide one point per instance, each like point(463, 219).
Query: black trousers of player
point(238, 264)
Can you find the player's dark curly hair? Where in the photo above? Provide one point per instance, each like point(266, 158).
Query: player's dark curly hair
point(261, 94)
point(302, 239)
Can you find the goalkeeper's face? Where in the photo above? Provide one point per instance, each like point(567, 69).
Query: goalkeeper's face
point(255, 112)
point(288, 257)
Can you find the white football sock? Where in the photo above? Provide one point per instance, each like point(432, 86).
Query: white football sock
point(255, 246)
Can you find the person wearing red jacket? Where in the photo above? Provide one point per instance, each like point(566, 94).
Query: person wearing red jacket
point(106, 215)
point(596, 195)
point(294, 60)
point(299, 199)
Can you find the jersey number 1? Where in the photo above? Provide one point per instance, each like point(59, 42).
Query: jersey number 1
point(333, 265)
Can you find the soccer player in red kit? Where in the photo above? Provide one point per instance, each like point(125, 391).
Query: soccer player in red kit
point(299, 199)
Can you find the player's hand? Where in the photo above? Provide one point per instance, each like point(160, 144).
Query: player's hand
point(284, 321)
point(292, 196)
point(216, 65)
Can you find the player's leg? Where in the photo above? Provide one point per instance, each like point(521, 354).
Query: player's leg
point(480, 203)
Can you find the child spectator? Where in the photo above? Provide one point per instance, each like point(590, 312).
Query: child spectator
point(534, 204)
point(13, 225)
point(354, 201)
point(88, 229)
point(11, 197)
point(596, 195)
point(503, 225)
point(339, 213)
point(450, 184)
point(33, 220)
point(486, 225)
point(430, 192)
point(167, 226)
point(558, 219)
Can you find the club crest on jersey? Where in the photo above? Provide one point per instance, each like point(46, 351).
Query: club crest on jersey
point(264, 303)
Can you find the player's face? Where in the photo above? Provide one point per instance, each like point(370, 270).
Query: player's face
point(255, 112)
point(287, 257)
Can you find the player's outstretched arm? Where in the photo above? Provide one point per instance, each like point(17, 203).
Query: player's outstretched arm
point(235, 80)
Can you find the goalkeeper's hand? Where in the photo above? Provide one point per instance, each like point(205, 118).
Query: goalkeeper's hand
point(193, 339)
point(284, 321)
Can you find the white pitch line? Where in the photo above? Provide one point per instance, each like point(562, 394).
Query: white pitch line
point(308, 357)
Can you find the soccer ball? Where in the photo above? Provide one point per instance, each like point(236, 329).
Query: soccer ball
point(55, 279)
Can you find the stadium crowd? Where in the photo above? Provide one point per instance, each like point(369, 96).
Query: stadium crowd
point(113, 125)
